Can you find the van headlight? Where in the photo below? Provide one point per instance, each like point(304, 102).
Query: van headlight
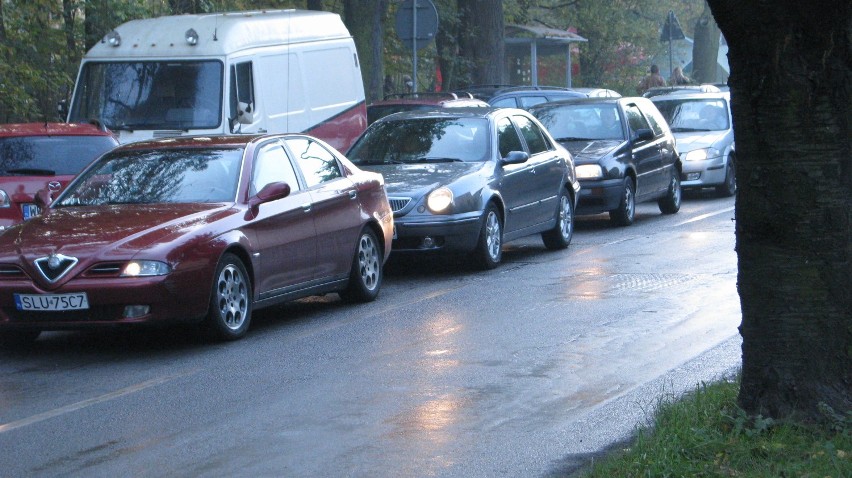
point(589, 171)
point(4, 199)
point(439, 200)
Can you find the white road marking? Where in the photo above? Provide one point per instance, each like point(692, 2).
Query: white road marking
point(705, 216)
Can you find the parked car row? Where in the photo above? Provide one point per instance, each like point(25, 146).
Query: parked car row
point(208, 228)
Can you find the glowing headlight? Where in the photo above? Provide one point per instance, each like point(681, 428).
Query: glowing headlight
point(4, 199)
point(701, 154)
point(589, 171)
point(145, 268)
point(439, 199)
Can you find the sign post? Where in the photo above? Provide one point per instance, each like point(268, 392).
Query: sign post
point(671, 31)
point(416, 24)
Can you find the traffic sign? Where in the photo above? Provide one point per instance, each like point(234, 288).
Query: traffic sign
point(417, 24)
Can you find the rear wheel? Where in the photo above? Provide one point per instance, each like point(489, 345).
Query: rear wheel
point(560, 236)
point(488, 252)
point(230, 302)
point(365, 277)
point(626, 210)
point(729, 187)
point(670, 203)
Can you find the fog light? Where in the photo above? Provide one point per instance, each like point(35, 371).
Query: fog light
point(693, 176)
point(133, 311)
point(428, 242)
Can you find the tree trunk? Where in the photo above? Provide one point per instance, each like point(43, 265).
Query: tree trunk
point(705, 49)
point(790, 77)
point(481, 40)
point(364, 19)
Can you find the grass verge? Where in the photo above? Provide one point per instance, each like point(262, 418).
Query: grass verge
point(705, 434)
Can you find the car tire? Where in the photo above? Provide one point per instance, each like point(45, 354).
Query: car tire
point(560, 236)
point(230, 300)
point(625, 212)
point(670, 203)
point(365, 276)
point(729, 187)
point(18, 339)
point(488, 252)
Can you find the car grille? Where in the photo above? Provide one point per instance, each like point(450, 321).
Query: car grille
point(398, 204)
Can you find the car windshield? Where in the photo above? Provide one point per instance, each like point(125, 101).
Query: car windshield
point(150, 94)
point(423, 140)
point(157, 176)
point(685, 115)
point(582, 122)
point(50, 155)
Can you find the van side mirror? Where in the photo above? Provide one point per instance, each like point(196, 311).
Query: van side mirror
point(515, 157)
point(245, 113)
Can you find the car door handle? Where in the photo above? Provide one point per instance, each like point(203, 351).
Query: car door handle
point(532, 170)
point(307, 207)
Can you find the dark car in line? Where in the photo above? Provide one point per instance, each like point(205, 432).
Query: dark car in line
point(419, 101)
point(703, 128)
point(522, 97)
point(36, 156)
point(466, 180)
point(198, 229)
point(624, 153)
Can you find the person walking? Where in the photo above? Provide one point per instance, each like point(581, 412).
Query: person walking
point(678, 78)
point(653, 79)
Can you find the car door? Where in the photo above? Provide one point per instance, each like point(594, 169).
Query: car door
point(645, 153)
point(284, 228)
point(517, 184)
point(666, 141)
point(336, 206)
point(546, 173)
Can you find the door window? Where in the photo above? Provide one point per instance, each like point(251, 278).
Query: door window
point(508, 137)
point(272, 165)
point(532, 134)
point(318, 164)
point(636, 120)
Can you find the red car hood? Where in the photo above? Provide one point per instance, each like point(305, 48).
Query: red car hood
point(107, 232)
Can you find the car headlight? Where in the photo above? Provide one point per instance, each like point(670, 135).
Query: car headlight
point(145, 268)
point(589, 171)
point(4, 199)
point(701, 154)
point(439, 200)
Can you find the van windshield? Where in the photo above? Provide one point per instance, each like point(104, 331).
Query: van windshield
point(150, 95)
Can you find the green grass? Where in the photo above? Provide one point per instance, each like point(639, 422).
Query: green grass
point(705, 434)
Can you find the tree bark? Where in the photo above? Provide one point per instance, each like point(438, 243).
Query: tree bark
point(705, 49)
point(364, 19)
point(790, 88)
point(481, 44)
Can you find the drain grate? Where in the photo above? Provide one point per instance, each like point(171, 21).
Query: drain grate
point(647, 282)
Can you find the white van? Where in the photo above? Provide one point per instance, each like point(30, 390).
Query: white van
point(225, 73)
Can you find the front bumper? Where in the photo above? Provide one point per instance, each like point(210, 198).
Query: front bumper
point(451, 233)
point(597, 196)
point(703, 173)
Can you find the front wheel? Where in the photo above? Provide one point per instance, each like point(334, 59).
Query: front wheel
point(729, 187)
point(560, 236)
point(365, 276)
point(230, 302)
point(670, 203)
point(623, 215)
point(489, 249)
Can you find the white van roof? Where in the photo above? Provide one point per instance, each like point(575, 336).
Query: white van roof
point(219, 33)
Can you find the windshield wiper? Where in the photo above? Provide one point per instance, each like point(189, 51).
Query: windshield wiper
point(574, 138)
point(681, 129)
point(31, 172)
point(435, 159)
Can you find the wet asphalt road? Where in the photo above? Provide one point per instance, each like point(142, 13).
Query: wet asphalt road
point(527, 370)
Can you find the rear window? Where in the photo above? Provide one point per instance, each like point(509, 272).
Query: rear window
point(50, 155)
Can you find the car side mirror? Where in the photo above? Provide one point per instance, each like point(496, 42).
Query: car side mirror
point(270, 192)
point(43, 199)
point(643, 134)
point(515, 157)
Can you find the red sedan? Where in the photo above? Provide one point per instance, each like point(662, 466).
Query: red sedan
point(195, 229)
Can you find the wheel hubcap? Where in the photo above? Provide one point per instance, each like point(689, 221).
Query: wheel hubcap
point(492, 235)
point(232, 295)
point(628, 200)
point(566, 220)
point(368, 262)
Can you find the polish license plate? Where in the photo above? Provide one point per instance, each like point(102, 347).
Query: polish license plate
point(52, 302)
point(30, 210)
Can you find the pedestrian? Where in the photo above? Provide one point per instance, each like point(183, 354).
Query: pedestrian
point(678, 78)
point(653, 79)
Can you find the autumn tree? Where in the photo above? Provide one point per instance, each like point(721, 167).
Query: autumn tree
point(790, 92)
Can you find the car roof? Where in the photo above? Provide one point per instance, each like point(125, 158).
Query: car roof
point(426, 98)
point(203, 141)
point(594, 100)
point(487, 92)
point(9, 130)
point(691, 95)
point(462, 112)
